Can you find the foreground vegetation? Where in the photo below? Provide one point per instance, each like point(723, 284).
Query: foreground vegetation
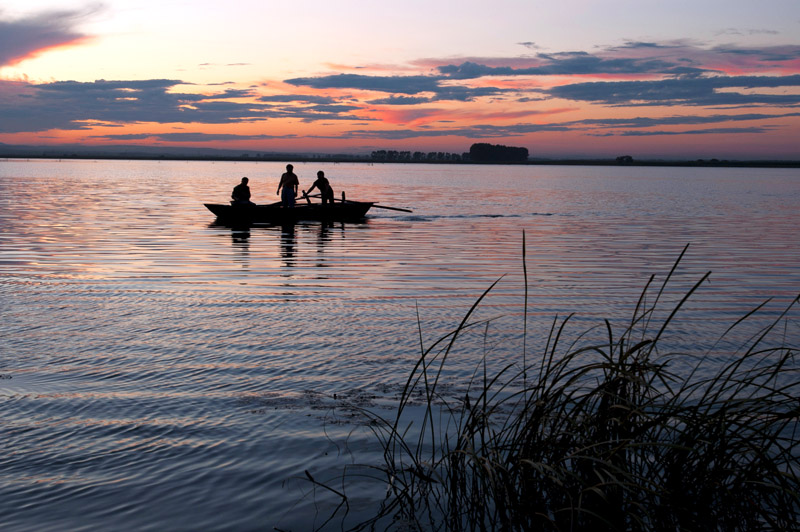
point(600, 436)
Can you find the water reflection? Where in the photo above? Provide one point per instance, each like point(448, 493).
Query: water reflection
point(297, 244)
point(288, 244)
point(240, 240)
point(323, 238)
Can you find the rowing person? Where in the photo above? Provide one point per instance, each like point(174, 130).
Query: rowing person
point(289, 183)
point(241, 194)
point(323, 185)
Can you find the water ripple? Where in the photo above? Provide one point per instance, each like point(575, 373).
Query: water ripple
point(160, 371)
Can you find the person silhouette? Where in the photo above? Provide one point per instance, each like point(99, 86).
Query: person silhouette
point(241, 193)
point(324, 186)
point(289, 183)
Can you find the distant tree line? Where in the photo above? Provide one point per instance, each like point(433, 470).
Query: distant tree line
point(479, 153)
point(418, 156)
point(492, 153)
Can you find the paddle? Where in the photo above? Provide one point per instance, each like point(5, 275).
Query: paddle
point(391, 208)
point(350, 201)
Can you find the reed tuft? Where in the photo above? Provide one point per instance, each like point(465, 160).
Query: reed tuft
point(605, 435)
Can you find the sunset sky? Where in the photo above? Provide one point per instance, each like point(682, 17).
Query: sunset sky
point(573, 78)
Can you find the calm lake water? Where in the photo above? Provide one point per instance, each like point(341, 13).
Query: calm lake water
point(160, 372)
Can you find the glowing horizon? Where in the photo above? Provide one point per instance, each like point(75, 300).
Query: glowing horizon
point(700, 80)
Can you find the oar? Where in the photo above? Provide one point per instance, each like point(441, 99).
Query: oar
point(391, 208)
point(376, 206)
point(350, 201)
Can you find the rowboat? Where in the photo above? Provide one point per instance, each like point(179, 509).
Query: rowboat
point(274, 213)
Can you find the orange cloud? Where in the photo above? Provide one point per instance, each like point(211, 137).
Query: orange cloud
point(32, 54)
point(422, 116)
point(755, 65)
point(412, 116)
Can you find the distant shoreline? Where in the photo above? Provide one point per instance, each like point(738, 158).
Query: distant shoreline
point(10, 154)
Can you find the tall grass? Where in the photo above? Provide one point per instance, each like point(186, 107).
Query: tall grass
point(604, 435)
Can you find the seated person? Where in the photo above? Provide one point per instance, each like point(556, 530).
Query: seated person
point(323, 185)
point(241, 194)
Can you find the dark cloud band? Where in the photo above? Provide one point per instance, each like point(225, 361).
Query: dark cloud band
point(25, 37)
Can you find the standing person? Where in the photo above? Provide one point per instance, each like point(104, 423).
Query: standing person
point(241, 194)
point(323, 185)
point(289, 183)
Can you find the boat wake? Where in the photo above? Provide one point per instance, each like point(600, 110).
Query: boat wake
point(431, 217)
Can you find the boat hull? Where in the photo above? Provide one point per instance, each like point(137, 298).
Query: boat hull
point(351, 211)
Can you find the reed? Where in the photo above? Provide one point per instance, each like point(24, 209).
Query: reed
point(614, 434)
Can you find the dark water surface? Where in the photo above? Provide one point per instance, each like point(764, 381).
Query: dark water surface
point(159, 372)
